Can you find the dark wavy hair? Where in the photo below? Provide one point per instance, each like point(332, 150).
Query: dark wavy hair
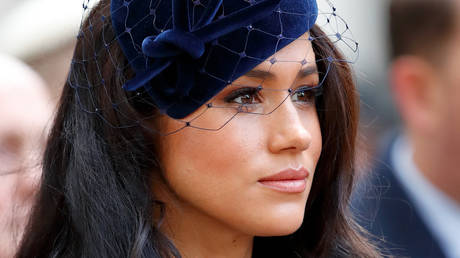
point(95, 199)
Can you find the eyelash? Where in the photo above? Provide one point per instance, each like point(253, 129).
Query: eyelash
point(248, 91)
point(252, 92)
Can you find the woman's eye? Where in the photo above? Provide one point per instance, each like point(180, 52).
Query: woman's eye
point(304, 94)
point(244, 96)
point(245, 99)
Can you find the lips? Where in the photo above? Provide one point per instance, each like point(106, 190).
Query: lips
point(289, 180)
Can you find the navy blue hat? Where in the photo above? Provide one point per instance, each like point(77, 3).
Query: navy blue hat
point(184, 52)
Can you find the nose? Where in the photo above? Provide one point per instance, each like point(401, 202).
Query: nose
point(288, 130)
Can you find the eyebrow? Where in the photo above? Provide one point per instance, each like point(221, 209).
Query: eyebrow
point(304, 72)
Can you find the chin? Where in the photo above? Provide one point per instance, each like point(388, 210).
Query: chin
point(281, 224)
point(282, 229)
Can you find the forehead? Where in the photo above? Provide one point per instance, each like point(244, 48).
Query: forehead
point(297, 51)
point(294, 60)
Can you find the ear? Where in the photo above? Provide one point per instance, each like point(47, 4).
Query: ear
point(414, 84)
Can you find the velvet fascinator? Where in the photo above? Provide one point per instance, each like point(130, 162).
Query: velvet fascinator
point(184, 52)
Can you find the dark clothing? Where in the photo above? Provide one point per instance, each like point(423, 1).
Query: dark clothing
point(382, 206)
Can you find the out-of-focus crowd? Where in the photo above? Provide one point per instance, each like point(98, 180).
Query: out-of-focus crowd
point(25, 111)
point(33, 68)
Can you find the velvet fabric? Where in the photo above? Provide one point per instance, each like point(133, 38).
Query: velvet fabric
point(184, 52)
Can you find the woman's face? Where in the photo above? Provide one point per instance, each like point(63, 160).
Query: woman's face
point(218, 174)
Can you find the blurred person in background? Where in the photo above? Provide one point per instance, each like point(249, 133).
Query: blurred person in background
point(413, 200)
point(24, 113)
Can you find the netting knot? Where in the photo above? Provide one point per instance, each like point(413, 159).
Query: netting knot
point(172, 43)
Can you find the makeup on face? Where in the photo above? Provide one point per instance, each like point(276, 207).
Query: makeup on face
point(287, 181)
point(257, 170)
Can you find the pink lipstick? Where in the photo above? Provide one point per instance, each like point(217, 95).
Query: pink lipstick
point(288, 181)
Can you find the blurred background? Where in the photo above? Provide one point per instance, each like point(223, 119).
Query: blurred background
point(42, 34)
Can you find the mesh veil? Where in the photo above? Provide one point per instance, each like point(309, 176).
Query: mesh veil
point(99, 66)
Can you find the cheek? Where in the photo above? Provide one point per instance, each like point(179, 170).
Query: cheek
point(213, 172)
point(314, 128)
point(452, 121)
point(200, 164)
point(212, 153)
point(450, 101)
point(454, 90)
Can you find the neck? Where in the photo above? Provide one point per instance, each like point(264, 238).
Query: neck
point(437, 165)
point(197, 234)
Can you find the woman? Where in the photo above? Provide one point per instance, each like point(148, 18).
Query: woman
point(148, 158)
